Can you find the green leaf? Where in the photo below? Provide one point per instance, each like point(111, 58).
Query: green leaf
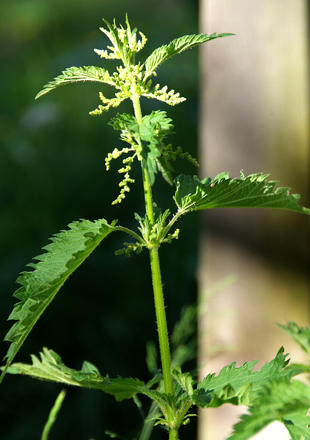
point(50, 367)
point(67, 251)
point(161, 399)
point(241, 385)
point(154, 128)
point(77, 74)
point(176, 46)
point(125, 122)
point(298, 426)
point(280, 400)
point(299, 334)
point(183, 340)
point(164, 166)
point(185, 380)
point(253, 191)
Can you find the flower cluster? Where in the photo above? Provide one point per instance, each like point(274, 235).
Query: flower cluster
point(145, 135)
point(125, 43)
point(124, 170)
point(130, 79)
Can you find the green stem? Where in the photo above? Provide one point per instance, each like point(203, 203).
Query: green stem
point(149, 422)
point(148, 195)
point(137, 108)
point(174, 434)
point(162, 332)
point(157, 285)
point(53, 415)
point(161, 320)
point(146, 181)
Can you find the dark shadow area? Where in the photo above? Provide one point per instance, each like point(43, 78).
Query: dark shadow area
point(52, 172)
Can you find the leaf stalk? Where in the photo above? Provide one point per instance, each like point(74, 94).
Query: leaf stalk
point(130, 232)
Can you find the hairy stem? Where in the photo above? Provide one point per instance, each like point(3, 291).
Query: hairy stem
point(148, 195)
point(157, 284)
point(137, 108)
point(161, 320)
point(146, 182)
point(130, 232)
point(162, 332)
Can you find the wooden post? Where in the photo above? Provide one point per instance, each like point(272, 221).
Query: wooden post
point(254, 264)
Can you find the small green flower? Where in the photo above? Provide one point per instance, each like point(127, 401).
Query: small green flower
point(132, 80)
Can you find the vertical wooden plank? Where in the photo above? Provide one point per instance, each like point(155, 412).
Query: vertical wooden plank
point(255, 117)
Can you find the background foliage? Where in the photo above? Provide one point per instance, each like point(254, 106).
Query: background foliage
point(52, 172)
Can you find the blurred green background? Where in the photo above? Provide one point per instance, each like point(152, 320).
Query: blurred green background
point(52, 172)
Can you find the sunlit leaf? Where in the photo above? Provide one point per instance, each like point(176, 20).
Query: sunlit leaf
point(176, 46)
point(77, 74)
point(67, 251)
point(254, 191)
point(280, 400)
point(299, 334)
point(239, 385)
point(50, 367)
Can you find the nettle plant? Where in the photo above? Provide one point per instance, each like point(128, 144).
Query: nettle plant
point(270, 393)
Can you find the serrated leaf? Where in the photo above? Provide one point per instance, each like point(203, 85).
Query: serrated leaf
point(125, 122)
point(210, 389)
point(153, 129)
point(228, 395)
point(50, 367)
point(161, 399)
point(280, 400)
point(123, 388)
point(159, 120)
point(67, 251)
point(176, 46)
point(298, 426)
point(77, 74)
point(253, 191)
point(185, 380)
point(299, 334)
